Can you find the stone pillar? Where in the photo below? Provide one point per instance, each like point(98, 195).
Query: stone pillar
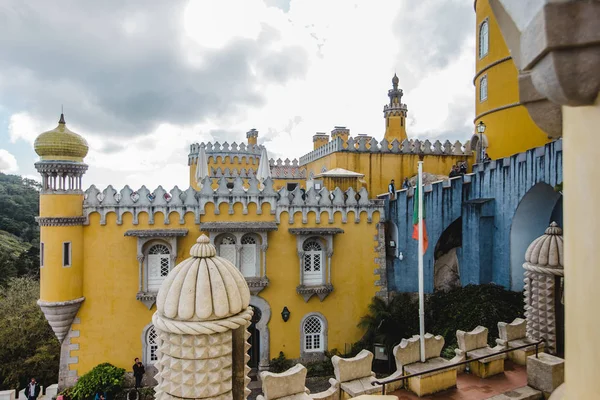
point(203, 311)
point(543, 276)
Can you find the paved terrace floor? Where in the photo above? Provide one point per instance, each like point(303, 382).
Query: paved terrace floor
point(470, 387)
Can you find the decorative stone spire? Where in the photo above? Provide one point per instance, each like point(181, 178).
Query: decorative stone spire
point(202, 315)
point(395, 114)
point(544, 274)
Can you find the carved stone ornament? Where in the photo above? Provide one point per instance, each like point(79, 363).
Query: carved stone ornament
point(256, 285)
point(147, 298)
point(60, 221)
point(321, 291)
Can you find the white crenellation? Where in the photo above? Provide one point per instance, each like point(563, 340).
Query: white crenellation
point(364, 144)
point(243, 191)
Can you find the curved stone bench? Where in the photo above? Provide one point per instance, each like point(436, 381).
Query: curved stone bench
point(408, 356)
point(473, 345)
point(354, 375)
point(290, 385)
point(515, 335)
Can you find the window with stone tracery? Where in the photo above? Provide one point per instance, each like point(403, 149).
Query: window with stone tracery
point(484, 38)
point(151, 346)
point(313, 333)
point(483, 88)
point(159, 265)
point(313, 263)
point(227, 248)
point(249, 256)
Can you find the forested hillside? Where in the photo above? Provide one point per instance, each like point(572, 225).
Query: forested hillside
point(19, 233)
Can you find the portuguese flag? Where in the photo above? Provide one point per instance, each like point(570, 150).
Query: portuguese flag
point(415, 234)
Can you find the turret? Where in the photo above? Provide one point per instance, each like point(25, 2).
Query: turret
point(395, 114)
point(61, 219)
point(252, 136)
point(320, 139)
point(340, 132)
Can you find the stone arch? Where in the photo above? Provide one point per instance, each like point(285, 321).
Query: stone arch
point(446, 271)
point(532, 216)
point(263, 328)
point(151, 370)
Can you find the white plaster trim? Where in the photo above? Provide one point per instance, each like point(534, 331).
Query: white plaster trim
point(263, 328)
point(144, 355)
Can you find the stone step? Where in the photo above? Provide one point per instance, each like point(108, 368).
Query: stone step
point(522, 393)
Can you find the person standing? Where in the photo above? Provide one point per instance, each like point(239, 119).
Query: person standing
point(138, 372)
point(392, 190)
point(405, 184)
point(32, 391)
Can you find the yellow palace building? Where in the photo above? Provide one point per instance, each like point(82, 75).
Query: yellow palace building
point(509, 128)
point(287, 225)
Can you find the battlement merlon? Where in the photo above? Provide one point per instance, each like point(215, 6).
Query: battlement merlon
point(362, 144)
point(191, 200)
point(242, 150)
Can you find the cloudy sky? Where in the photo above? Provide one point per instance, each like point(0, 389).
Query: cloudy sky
point(142, 79)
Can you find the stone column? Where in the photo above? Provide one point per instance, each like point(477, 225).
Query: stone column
point(543, 270)
point(203, 311)
point(263, 249)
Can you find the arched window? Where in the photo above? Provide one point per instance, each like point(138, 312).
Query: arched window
point(313, 263)
point(483, 88)
point(484, 38)
point(159, 265)
point(313, 329)
point(249, 256)
point(227, 248)
point(151, 345)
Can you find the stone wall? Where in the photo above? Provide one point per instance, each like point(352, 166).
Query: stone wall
point(489, 200)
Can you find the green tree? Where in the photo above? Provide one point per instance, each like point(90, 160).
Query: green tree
point(29, 347)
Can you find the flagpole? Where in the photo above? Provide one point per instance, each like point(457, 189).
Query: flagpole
point(421, 294)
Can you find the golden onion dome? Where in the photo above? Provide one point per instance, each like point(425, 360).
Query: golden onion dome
point(61, 144)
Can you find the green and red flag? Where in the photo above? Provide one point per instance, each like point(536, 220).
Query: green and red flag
point(415, 234)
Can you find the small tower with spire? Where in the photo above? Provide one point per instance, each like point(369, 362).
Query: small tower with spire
point(61, 221)
point(395, 114)
point(252, 136)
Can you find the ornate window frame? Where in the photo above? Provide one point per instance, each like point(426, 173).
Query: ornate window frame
point(308, 355)
point(145, 240)
point(325, 235)
point(146, 352)
point(239, 230)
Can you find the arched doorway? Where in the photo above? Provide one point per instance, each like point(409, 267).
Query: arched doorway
point(537, 209)
point(260, 332)
point(446, 272)
point(254, 340)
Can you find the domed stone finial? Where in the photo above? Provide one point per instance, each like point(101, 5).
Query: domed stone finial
point(547, 250)
point(395, 80)
point(203, 248)
point(62, 119)
point(203, 287)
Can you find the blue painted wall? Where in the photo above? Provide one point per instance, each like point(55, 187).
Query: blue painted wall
point(493, 245)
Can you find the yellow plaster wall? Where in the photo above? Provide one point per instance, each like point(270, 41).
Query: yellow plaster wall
point(112, 320)
point(395, 128)
point(380, 169)
point(58, 283)
point(510, 130)
point(61, 205)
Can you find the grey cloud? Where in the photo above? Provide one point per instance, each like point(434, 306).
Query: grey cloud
point(431, 34)
point(116, 84)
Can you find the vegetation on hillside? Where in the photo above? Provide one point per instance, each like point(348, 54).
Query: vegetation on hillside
point(19, 233)
point(29, 347)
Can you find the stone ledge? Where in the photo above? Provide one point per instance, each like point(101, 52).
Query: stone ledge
point(148, 233)
point(148, 298)
point(60, 221)
point(315, 231)
point(238, 226)
point(256, 285)
point(321, 291)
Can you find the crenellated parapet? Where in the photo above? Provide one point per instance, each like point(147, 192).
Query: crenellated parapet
point(286, 169)
point(234, 153)
point(244, 192)
point(366, 144)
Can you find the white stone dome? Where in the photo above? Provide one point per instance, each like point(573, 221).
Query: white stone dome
point(203, 287)
point(547, 250)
